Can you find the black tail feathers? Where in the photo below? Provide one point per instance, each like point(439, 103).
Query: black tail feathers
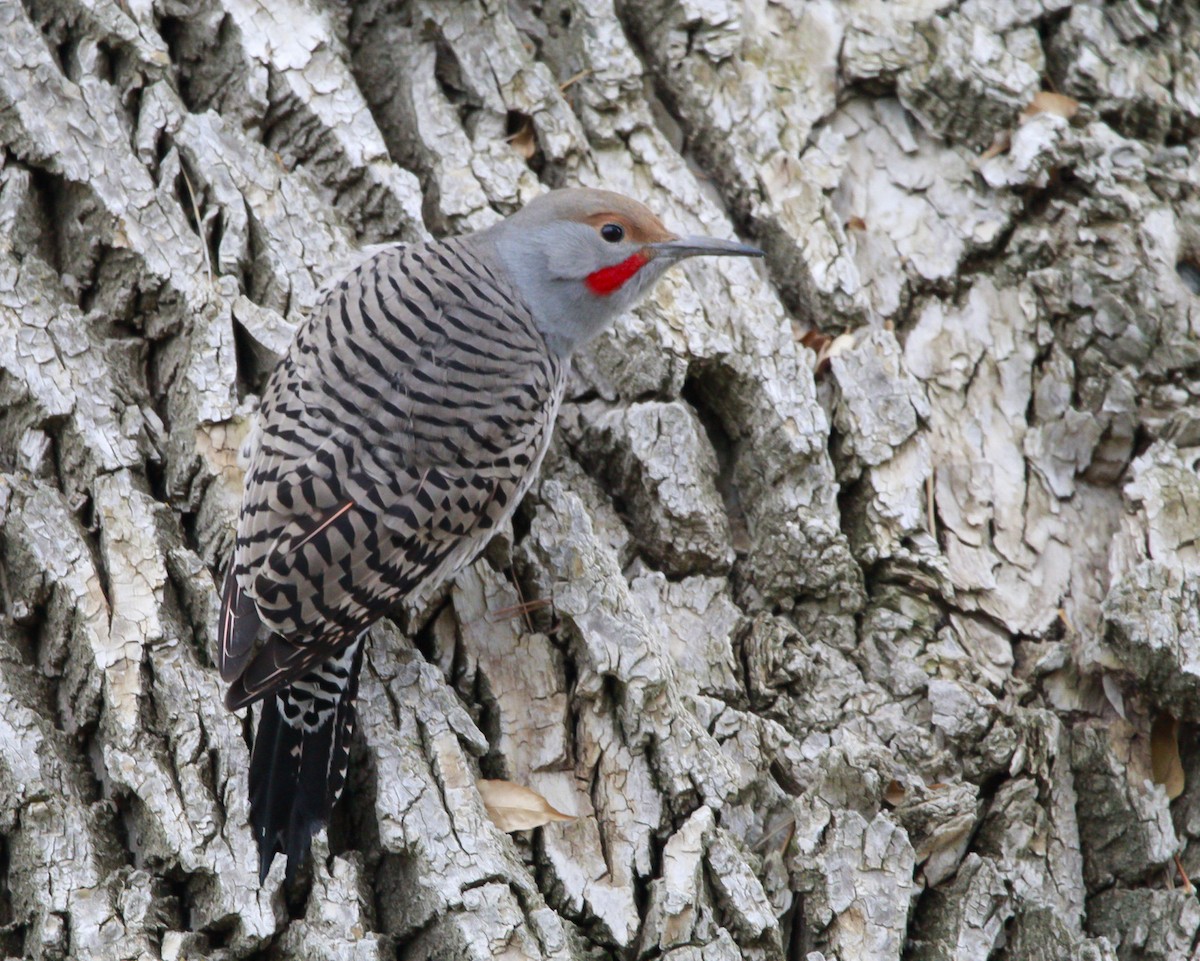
point(301, 751)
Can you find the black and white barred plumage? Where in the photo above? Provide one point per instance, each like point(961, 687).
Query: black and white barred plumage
point(404, 425)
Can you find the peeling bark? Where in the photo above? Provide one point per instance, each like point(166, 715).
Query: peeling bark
point(849, 660)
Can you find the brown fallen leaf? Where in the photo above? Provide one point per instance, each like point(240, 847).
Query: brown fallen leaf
point(524, 141)
point(1187, 882)
point(815, 341)
point(825, 347)
point(1112, 691)
point(1046, 101)
point(1000, 143)
point(513, 807)
point(1066, 621)
point(1165, 765)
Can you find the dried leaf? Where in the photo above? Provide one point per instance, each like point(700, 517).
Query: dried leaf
point(825, 347)
point(516, 808)
point(814, 340)
point(1000, 143)
point(524, 141)
point(1187, 882)
point(894, 793)
point(1045, 101)
point(1112, 691)
point(841, 344)
point(1165, 764)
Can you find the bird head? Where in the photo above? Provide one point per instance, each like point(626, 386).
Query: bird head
point(581, 257)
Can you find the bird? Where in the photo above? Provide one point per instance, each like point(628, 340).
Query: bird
point(401, 429)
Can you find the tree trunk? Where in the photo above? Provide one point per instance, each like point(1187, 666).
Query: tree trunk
point(890, 651)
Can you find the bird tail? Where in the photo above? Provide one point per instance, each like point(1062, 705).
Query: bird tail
point(301, 752)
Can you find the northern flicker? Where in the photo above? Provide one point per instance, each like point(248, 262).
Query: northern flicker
point(403, 426)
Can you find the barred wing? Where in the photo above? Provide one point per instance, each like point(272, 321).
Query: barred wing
point(407, 420)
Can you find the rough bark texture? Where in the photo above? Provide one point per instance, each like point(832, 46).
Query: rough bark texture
point(857, 661)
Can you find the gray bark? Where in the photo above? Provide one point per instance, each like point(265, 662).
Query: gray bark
point(856, 659)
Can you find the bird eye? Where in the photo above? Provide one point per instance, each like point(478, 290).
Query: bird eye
point(613, 233)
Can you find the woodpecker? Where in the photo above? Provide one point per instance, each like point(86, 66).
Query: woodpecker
point(405, 423)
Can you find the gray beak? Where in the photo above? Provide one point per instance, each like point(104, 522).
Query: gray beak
point(703, 246)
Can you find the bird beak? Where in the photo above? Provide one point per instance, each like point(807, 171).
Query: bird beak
point(682, 247)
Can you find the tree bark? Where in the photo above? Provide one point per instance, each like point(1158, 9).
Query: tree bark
point(875, 646)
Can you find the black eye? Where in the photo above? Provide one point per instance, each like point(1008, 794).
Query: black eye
point(613, 233)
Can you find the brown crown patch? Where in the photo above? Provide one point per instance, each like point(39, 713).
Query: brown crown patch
point(641, 227)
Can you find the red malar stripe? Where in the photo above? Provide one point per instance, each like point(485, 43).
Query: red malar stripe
point(607, 279)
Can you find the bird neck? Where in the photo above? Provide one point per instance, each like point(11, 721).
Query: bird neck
point(567, 310)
